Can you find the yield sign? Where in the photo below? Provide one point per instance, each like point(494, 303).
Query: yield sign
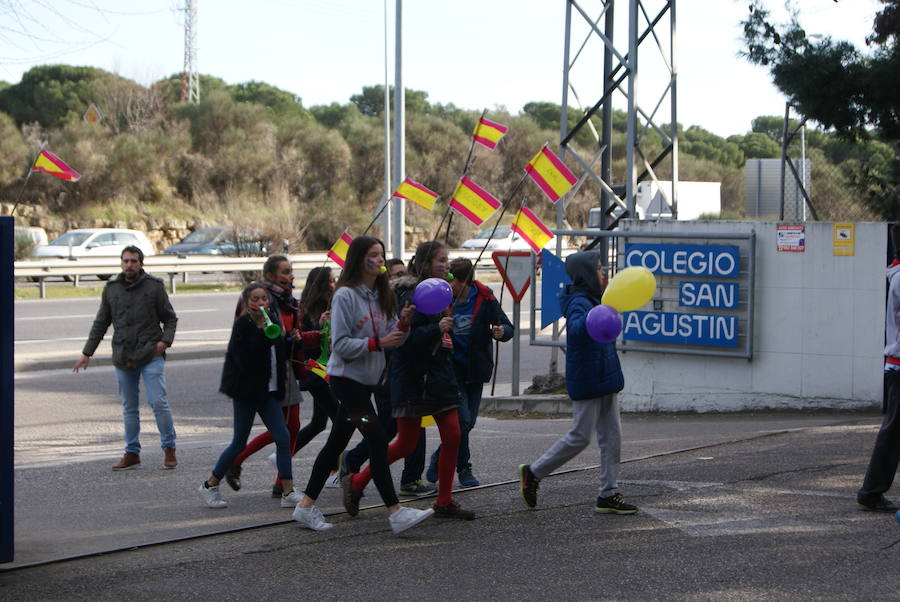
point(515, 269)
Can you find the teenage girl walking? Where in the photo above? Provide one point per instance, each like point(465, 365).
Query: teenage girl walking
point(423, 383)
point(254, 377)
point(363, 323)
point(284, 310)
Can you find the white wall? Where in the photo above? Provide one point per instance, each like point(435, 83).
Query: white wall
point(818, 334)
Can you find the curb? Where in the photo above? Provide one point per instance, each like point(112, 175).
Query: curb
point(29, 365)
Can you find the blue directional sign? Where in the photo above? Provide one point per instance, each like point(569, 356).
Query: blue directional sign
point(553, 283)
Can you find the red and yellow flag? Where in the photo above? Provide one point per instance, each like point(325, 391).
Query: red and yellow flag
point(550, 174)
point(418, 194)
point(473, 202)
point(49, 163)
point(531, 229)
point(338, 252)
point(488, 133)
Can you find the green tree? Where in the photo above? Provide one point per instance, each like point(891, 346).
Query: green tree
point(13, 152)
point(281, 104)
point(371, 101)
point(756, 145)
point(704, 144)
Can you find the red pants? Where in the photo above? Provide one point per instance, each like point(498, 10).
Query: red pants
point(405, 444)
point(291, 418)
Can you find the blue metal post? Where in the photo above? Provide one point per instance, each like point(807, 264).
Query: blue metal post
point(7, 499)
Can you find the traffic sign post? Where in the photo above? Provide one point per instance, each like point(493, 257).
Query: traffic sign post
point(515, 267)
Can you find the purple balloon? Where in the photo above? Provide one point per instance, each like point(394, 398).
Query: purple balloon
point(603, 324)
point(432, 296)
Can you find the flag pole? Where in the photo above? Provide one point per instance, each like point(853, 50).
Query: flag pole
point(374, 219)
point(28, 177)
point(468, 164)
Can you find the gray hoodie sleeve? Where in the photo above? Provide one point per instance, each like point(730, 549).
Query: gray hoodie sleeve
point(345, 312)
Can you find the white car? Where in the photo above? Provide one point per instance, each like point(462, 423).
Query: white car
point(504, 239)
point(94, 242)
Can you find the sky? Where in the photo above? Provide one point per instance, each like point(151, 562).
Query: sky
point(476, 54)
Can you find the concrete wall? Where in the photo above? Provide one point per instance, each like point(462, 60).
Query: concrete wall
point(818, 335)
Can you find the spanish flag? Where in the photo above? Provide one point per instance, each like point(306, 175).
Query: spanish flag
point(488, 133)
point(473, 202)
point(531, 229)
point(49, 163)
point(550, 174)
point(338, 252)
point(418, 194)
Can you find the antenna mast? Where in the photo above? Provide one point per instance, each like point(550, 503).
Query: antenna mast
point(190, 81)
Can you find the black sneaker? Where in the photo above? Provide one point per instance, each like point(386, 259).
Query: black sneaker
point(233, 477)
point(351, 497)
point(614, 504)
point(882, 504)
point(529, 484)
point(277, 492)
point(452, 510)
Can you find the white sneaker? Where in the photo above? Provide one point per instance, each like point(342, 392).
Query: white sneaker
point(311, 518)
point(212, 496)
point(333, 482)
point(407, 517)
point(273, 461)
point(289, 500)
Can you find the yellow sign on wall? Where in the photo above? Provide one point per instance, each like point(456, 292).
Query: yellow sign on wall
point(844, 239)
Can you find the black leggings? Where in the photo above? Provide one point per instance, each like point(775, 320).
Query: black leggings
point(355, 411)
point(325, 406)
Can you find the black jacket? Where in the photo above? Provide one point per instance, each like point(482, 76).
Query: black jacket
point(487, 312)
point(248, 366)
point(421, 370)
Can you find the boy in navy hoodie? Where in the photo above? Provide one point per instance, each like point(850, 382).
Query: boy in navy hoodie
point(593, 377)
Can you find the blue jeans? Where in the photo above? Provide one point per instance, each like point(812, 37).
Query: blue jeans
point(244, 412)
point(154, 375)
point(469, 406)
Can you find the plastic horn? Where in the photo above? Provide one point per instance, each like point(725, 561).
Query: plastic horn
point(272, 330)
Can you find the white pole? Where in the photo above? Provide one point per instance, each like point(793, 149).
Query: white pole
point(388, 187)
point(398, 207)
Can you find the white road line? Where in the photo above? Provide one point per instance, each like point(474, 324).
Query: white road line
point(179, 333)
point(76, 316)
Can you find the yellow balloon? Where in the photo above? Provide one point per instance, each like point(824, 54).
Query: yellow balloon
point(630, 289)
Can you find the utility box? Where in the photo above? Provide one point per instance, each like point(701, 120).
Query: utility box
point(762, 188)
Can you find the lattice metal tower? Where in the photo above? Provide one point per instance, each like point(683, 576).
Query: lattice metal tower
point(190, 81)
point(648, 21)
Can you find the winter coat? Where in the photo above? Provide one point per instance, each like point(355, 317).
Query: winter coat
point(487, 312)
point(592, 368)
point(135, 310)
point(248, 363)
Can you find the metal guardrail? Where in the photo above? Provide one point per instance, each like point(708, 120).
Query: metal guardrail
point(174, 265)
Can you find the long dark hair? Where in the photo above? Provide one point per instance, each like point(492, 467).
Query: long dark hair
point(420, 266)
point(351, 275)
point(316, 295)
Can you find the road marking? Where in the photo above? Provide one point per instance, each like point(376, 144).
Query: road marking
point(71, 317)
point(180, 333)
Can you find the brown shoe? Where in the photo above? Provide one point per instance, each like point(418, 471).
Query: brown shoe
point(170, 461)
point(128, 461)
point(452, 510)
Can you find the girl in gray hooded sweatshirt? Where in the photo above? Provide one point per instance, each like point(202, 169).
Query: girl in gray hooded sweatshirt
point(363, 323)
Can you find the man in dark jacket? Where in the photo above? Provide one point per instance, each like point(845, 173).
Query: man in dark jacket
point(478, 321)
point(136, 303)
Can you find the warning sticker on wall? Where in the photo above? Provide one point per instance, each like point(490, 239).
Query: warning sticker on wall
point(844, 239)
point(791, 237)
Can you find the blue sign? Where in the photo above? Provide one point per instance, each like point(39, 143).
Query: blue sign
point(715, 261)
point(681, 329)
point(553, 283)
point(695, 293)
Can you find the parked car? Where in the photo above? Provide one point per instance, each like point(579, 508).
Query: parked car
point(37, 236)
point(95, 242)
point(221, 240)
point(504, 239)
